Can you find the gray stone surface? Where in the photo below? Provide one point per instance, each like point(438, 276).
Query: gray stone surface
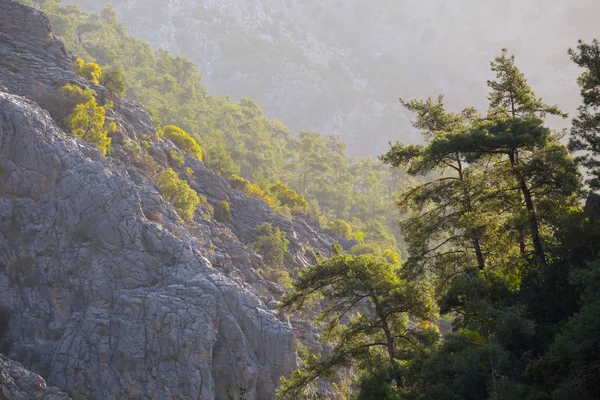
point(17, 383)
point(104, 290)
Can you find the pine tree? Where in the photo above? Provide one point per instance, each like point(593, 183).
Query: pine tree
point(585, 134)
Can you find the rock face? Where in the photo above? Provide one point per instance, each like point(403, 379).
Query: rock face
point(16, 383)
point(104, 291)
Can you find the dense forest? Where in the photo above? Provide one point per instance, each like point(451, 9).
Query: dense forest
point(498, 241)
point(496, 235)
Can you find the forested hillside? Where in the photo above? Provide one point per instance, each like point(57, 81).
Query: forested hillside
point(353, 196)
point(234, 288)
point(340, 66)
point(498, 240)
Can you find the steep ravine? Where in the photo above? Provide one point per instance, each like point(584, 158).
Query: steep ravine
point(104, 290)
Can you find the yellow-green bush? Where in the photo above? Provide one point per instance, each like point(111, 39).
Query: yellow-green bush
point(88, 122)
point(254, 191)
point(178, 193)
point(341, 228)
point(359, 236)
point(366, 248)
point(90, 71)
point(287, 196)
point(250, 189)
point(182, 140)
point(74, 95)
point(140, 157)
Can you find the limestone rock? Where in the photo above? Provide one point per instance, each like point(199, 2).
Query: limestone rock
point(103, 290)
point(16, 383)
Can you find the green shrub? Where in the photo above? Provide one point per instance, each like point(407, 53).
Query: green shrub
point(392, 257)
point(114, 81)
point(73, 95)
point(254, 191)
point(366, 248)
point(182, 140)
point(359, 236)
point(239, 183)
point(341, 228)
point(271, 244)
point(222, 211)
point(178, 193)
point(88, 122)
point(209, 207)
point(90, 71)
point(176, 157)
point(250, 189)
point(280, 276)
point(287, 196)
point(140, 158)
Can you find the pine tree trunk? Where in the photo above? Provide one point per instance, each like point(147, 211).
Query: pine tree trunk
point(469, 207)
point(533, 222)
point(391, 352)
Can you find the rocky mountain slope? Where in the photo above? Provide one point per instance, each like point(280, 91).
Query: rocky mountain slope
point(104, 290)
point(16, 383)
point(340, 66)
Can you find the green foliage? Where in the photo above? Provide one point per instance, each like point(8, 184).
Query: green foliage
point(256, 192)
point(139, 157)
point(76, 95)
point(88, 122)
point(222, 211)
point(341, 228)
point(178, 193)
point(586, 126)
point(492, 227)
point(113, 79)
point(217, 158)
point(511, 96)
point(177, 158)
point(288, 197)
point(236, 138)
point(90, 71)
point(250, 189)
point(182, 140)
point(376, 303)
point(271, 244)
point(366, 248)
point(359, 236)
point(239, 183)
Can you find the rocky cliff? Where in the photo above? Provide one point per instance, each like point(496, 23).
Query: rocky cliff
point(16, 383)
point(104, 290)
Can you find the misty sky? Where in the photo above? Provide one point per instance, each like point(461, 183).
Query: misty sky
point(458, 39)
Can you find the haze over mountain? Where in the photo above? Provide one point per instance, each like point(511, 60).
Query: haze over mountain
point(158, 241)
point(340, 66)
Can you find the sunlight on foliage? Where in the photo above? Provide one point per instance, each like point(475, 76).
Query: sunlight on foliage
point(178, 193)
